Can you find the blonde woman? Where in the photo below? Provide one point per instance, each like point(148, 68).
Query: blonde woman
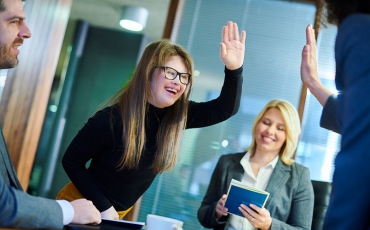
point(266, 164)
point(130, 142)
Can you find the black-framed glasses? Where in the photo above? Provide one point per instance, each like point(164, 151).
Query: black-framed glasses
point(171, 73)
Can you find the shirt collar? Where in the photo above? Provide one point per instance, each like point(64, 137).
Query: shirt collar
point(245, 160)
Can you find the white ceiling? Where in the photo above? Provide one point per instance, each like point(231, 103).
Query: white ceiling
point(106, 13)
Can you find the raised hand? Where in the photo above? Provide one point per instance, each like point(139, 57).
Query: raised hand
point(85, 212)
point(220, 209)
point(232, 46)
point(309, 74)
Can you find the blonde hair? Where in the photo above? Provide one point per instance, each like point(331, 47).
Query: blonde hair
point(292, 129)
point(132, 101)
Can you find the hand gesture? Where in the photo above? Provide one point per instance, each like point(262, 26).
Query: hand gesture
point(85, 212)
point(232, 47)
point(258, 217)
point(309, 74)
point(110, 213)
point(220, 209)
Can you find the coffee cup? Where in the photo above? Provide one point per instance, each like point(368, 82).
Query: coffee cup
point(155, 222)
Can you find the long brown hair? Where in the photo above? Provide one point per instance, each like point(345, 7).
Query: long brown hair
point(292, 129)
point(132, 100)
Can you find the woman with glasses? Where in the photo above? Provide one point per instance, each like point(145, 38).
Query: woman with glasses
point(138, 135)
point(267, 165)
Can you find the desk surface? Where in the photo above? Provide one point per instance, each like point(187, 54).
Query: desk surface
point(105, 225)
point(102, 226)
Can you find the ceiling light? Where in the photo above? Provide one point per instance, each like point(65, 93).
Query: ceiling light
point(134, 18)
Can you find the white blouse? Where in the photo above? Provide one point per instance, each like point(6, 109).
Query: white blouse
point(260, 181)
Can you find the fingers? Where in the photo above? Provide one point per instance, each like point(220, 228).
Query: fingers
point(234, 34)
point(225, 33)
point(85, 212)
point(110, 213)
point(311, 40)
point(244, 35)
point(220, 209)
point(313, 43)
point(305, 55)
point(259, 217)
point(232, 47)
point(231, 32)
point(247, 213)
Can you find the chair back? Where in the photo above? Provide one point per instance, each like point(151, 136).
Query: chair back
point(322, 192)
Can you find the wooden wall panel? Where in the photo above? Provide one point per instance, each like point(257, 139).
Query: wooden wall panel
point(27, 88)
point(172, 10)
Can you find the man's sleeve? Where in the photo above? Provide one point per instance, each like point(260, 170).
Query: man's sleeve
point(20, 210)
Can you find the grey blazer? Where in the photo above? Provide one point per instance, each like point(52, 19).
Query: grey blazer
point(291, 194)
point(17, 208)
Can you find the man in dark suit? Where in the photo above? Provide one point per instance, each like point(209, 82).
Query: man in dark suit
point(17, 208)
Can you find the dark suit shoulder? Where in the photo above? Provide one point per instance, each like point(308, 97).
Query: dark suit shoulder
point(354, 29)
point(355, 22)
point(231, 157)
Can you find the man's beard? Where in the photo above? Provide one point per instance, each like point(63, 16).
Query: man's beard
point(7, 60)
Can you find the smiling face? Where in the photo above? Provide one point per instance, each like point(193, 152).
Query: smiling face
point(13, 30)
point(270, 132)
point(166, 92)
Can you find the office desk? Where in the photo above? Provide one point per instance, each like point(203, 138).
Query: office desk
point(104, 225)
point(101, 226)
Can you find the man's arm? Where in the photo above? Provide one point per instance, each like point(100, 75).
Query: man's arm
point(20, 210)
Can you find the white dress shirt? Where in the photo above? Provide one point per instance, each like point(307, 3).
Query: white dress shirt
point(260, 181)
point(68, 211)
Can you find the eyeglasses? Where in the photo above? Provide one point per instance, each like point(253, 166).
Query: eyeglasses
point(171, 73)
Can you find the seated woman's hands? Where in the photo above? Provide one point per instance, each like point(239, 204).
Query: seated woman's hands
point(260, 218)
point(110, 213)
point(220, 207)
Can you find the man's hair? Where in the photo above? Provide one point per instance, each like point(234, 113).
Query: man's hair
point(338, 10)
point(2, 6)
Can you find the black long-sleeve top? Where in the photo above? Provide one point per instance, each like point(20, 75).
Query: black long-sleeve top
point(102, 182)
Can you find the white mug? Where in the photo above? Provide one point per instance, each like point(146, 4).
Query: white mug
point(155, 222)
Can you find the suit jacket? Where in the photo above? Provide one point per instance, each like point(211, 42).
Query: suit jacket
point(350, 114)
point(291, 197)
point(17, 208)
point(329, 115)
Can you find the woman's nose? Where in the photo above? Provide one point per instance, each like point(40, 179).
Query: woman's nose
point(270, 130)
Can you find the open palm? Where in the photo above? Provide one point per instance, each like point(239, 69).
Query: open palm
point(232, 46)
